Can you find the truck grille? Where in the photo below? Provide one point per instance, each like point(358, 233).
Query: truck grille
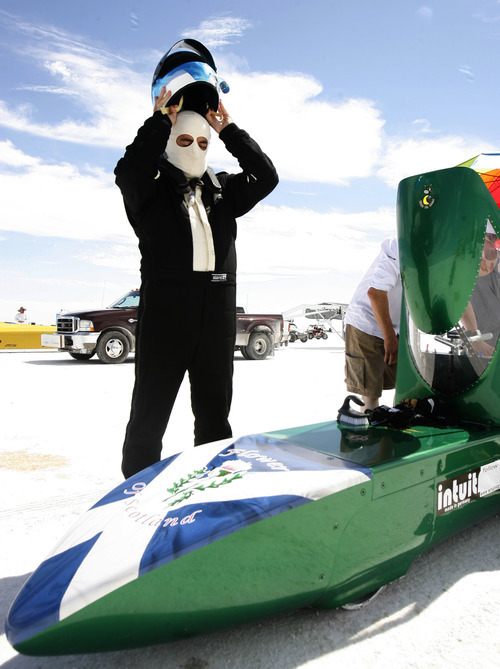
point(67, 324)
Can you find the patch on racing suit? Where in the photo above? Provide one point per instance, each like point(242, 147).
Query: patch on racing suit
point(219, 278)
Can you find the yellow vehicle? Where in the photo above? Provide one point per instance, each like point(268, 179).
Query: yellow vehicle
point(19, 336)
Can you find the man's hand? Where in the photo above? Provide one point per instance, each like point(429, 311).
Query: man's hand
point(218, 120)
point(391, 344)
point(160, 105)
point(380, 306)
point(482, 348)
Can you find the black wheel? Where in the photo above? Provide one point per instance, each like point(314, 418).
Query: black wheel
point(310, 335)
point(113, 347)
point(259, 346)
point(244, 353)
point(304, 338)
point(293, 337)
point(82, 356)
point(324, 335)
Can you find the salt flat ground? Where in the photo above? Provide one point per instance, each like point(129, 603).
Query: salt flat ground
point(61, 433)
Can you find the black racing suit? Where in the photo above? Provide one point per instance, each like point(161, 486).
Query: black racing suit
point(187, 319)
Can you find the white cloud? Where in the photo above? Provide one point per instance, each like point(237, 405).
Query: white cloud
point(119, 256)
point(13, 157)
point(336, 141)
point(283, 242)
point(421, 125)
point(59, 200)
point(409, 156)
point(467, 72)
point(219, 30)
point(309, 139)
point(288, 256)
point(62, 201)
point(493, 18)
point(425, 13)
point(106, 95)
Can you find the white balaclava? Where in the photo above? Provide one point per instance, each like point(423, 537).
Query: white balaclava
point(190, 159)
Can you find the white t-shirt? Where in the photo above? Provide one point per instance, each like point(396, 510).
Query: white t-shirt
point(383, 274)
point(21, 317)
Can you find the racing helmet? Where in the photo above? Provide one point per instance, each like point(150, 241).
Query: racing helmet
point(188, 70)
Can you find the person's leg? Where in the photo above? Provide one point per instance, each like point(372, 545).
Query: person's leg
point(211, 395)
point(369, 402)
point(211, 370)
point(160, 364)
point(153, 400)
point(364, 366)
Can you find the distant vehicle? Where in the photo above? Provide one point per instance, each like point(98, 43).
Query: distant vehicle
point(110, 333)
point(22, 335)
point(257, 335)
point(329, 314)
point(294, 334)
point(316, 332)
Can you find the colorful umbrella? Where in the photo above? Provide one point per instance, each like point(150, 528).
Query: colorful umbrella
point(488, 167)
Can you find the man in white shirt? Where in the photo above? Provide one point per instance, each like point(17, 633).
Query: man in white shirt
point(21, 316)
point(372, 328)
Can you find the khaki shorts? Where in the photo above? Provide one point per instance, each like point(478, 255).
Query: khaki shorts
point(365, 370)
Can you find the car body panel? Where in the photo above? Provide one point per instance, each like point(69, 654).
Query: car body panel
point(23, 336)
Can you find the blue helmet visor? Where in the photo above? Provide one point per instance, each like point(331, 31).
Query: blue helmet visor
point(185, 75)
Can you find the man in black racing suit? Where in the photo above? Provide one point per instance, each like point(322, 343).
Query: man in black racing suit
point(184, 216)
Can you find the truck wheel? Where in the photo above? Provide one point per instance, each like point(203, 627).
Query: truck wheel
point(113, 347)
point(82, 356)
point(259, 346)
point(244, 353)
point(324, 335)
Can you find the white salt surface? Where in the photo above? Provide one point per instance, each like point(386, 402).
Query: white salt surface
point(61, 433)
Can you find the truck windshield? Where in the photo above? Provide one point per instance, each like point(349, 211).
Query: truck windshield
point(128, 301)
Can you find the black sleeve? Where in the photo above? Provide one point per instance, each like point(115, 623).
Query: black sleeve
point(136, 172)
point(258, 177)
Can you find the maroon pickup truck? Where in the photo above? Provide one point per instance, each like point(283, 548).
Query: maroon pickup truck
point(110, 333)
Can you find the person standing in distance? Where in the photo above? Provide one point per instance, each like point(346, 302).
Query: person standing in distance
point(372, 322)
point(21, 316)
point(184, 216)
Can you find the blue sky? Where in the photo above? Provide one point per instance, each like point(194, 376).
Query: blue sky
point(346, 98)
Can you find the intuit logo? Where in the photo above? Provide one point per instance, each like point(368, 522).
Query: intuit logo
point(454, 493)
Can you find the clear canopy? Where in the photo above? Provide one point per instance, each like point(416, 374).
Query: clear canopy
point(452, 361)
